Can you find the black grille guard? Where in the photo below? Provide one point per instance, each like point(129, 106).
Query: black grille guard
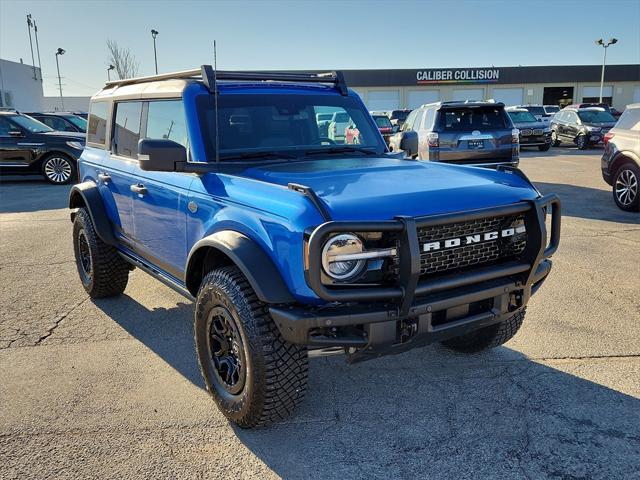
point(540, 245)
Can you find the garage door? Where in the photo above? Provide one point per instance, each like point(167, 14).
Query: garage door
point(468, 94)
point(383, 99)
point(508, 96)
point(417, 98)
point(607, 91)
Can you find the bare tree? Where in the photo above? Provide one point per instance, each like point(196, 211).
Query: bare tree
point(122, 58)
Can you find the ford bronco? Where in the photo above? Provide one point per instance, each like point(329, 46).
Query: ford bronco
point(221, 186)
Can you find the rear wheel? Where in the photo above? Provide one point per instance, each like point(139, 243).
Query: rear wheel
point(625, 187)
point(58, 169)
point(252, 373)
point(487, 337)
point(545, 147)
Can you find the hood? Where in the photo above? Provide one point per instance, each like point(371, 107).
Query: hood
point(530, 125)
point(365, 188)
point(71, 136)
point(599, 124)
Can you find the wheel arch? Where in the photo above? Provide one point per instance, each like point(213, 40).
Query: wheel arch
point(620, 159)
point(229, 247)
point(86, 195)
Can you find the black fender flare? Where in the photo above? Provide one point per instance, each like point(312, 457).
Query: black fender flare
point(86, 194)
point(262, 274)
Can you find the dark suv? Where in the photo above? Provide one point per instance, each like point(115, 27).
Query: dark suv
point(468, 132)
point(583, 126)
point(62, 122)
point(28, 146)
point(621, 159)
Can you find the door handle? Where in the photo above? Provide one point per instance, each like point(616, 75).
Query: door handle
point(139, 189)
point(104, 178)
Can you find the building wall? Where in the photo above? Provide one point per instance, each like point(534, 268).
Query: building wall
point(623, 93)
point(70, 104)
point(18, 87)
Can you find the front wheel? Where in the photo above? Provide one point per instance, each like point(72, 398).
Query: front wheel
point(545, 147)
point(58, 169)
point(252, 373)
point(581, 142)
point(625, 187)
point(487, 337)
point(554, 139)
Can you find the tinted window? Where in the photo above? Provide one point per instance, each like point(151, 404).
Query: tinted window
point(79, 122)
point(399, 115)
point(382, 121)
point(30, 124)
point(341, 118)
point(468, 119)
point(57, 124)
point(522, 117)
point(630, 119)
point(166, 120)
point(536, 110)
point(5, 127)
point(595, 116)
point(127, 129)
point(97, 130)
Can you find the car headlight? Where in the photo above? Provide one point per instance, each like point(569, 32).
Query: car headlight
point(340, 256)
point(76, 145)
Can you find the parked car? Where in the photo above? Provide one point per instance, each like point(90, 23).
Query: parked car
point(323, 120)
point(463, 132)
point(62, 122)
point(533, 133)
point(583, 126)
point(288, 242)
point(621, 159)
point(28, 146)
point(337, 126)
point(543, 113)
point(352, 134)
point(398, 117)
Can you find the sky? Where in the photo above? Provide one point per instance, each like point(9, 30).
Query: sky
point(339, 34)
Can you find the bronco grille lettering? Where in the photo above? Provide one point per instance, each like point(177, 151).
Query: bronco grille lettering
point(475, 238)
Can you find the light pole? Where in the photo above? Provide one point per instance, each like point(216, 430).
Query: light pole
point(604, 59)
point(35, 29)
point(33, 60)
point(154, 34)
point(60, 51)
point(111, 67)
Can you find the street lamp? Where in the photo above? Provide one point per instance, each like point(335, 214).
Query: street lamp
point(111, 67)
point(60, 51)
point(154, 34)
point(611, 41)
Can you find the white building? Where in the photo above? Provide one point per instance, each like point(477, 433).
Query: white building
point(21, 88)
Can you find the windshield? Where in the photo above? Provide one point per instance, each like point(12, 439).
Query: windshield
point(595, 116)
point(382, 121)
point(79, 122)
point(400, 115)
point(522, 117)
point(552, 109)
point(324, 116)
point(253, 123)
point(30, 124)
point(467, 119)
point(536, 110)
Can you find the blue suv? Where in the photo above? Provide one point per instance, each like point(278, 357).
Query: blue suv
point(223, 186)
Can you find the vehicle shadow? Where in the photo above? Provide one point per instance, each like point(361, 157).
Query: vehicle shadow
point(588, 202)
point(31, 194)
point(429, 412)
point(563, 150)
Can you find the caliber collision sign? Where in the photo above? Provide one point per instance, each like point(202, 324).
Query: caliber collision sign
point(458, 75)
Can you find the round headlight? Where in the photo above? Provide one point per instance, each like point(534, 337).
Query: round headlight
point(334, 252)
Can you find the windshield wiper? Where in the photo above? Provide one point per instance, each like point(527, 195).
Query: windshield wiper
point(265, 155)
point(320, 151)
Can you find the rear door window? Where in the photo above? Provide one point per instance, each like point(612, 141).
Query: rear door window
point(126, 132)
point(469, 119)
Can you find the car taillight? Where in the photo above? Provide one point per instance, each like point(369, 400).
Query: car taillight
point(432, 140)
point(385, 130)
point(515, 135)
point(608, 137)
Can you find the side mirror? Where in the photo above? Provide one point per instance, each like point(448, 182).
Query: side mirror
point(16, 133)
point(409, 143)
point(160, 155)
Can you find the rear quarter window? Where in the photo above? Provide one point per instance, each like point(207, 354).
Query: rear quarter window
point(97, 124)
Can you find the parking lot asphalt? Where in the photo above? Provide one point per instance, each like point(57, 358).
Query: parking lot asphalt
point(111, 388)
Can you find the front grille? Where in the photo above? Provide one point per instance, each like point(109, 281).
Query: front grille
point(526, 132)
point(538, 131)
point(449, 260)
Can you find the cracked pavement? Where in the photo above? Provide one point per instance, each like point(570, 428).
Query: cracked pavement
point(111, 388)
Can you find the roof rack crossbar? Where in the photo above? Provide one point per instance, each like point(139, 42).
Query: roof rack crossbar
point(206, 73)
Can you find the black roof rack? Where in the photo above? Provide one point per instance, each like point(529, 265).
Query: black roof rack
point(206, 73)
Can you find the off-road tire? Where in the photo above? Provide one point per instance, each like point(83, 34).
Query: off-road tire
point(545, 147)
point(275, 376)
point(581, 142)
point(108, 272)
point(554, 139)
point(628, 173)
point(487, 337)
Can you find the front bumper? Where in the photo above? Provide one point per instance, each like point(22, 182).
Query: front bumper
point(382, 320)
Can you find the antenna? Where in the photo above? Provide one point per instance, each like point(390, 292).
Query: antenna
point(215, 96)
